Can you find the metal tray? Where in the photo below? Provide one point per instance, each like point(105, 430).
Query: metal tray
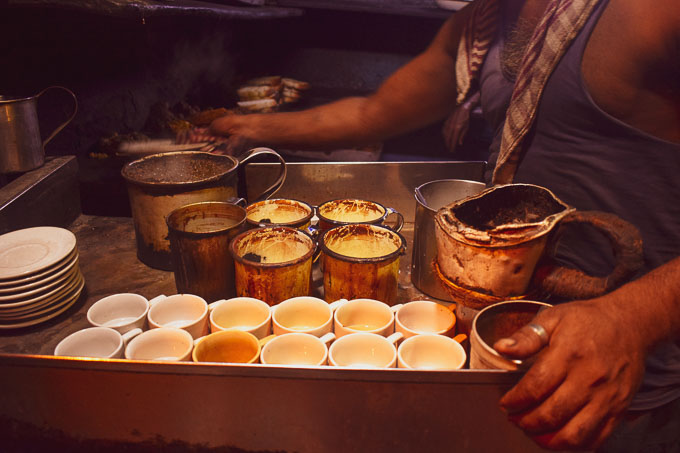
point(77, 404)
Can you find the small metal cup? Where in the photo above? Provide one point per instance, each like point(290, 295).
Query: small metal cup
point(199, 236)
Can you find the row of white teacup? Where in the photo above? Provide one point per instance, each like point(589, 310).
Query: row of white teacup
point(358, 350)
point(305, 314)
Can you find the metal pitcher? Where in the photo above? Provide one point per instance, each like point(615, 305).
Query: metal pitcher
point(499, 245)
point(20, 142)
point(430, 197)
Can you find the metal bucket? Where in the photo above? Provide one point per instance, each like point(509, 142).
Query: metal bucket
point(199, 240)
point(430, 197)
point(160, 183)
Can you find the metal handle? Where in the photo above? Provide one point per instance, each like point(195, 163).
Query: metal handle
point(400, 219)
point(575, 284)
point(282, 173)
point(70, 118)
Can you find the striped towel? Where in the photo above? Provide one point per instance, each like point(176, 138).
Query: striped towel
point(560, 24)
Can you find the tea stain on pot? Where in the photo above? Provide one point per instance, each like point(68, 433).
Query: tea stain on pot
point(273, 264)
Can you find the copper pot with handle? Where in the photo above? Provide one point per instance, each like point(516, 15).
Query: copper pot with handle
point(498, 245)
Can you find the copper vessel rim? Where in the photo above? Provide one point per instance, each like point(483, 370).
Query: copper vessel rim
point(293, 224)
point(245, 262)
point(203, 234)
point(500, 240)
point(342, 222)
point(379, 259)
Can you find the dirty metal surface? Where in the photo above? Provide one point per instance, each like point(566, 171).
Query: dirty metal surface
point(79, 404)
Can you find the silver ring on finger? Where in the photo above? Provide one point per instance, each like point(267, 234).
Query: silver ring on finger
point(540, 331)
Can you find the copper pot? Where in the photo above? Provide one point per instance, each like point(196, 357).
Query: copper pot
point(273, 264)
point(489, 246)
point(361, 261)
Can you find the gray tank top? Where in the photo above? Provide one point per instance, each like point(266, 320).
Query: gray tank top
point(593, 161)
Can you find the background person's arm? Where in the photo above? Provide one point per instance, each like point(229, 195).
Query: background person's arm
point(417, 94)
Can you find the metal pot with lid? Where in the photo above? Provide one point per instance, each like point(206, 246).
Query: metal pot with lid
point(160, 183)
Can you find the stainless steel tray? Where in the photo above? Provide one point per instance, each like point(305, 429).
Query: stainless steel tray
point(107, 405)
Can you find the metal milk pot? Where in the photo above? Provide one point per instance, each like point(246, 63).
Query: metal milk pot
point(22, 147)
point(160, 183)
point(499, 244)
point(430, 197)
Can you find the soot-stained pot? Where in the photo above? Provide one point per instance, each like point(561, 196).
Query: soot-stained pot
point(499, 245)
point(160, 183)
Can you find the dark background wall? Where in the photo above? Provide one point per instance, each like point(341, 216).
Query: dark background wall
point(121, 67)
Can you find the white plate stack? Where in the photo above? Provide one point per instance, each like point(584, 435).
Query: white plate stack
point(39, 275)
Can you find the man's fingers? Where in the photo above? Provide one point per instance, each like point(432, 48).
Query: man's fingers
point(553, 412)
point(537, 384)
point(589, 427)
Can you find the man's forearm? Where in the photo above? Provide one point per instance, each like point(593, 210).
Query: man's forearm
point(651, 304)
point(419, 93)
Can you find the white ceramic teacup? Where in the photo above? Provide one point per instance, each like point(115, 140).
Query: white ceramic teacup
point(241, 313)
point(229, 346)
point(300, 349)
point(425, 317)
point(431, 352)
point(184, 311)
point(162, 343)
point(364, 315)
point(364, 350)
point(304, 314)
point(102, 342)
point(122, 312)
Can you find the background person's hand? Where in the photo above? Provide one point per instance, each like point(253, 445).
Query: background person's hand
point(217, 142)
point(582, 381)
point(227, 130)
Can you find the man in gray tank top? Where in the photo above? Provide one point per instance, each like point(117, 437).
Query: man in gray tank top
point(606, 137)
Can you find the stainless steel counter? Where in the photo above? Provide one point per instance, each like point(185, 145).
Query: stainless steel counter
point(113, 405)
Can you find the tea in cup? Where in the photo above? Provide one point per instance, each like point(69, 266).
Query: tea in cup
point(299, 349)
point(425, 317)
point(229, 346)
point(163, 343)
point(347, 211)
point(273, 264)
point(122, 312)
point(280, 212)
point(369, 251)
point(364, 315)
point(101, 342)
point(431, 352)
point(184, 311)
point(241, 313)
point(304, 314)
point(364, 350)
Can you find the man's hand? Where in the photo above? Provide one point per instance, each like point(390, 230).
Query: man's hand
point(582, 381)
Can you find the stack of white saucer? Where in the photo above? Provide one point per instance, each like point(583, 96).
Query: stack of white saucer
point(39, 275)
